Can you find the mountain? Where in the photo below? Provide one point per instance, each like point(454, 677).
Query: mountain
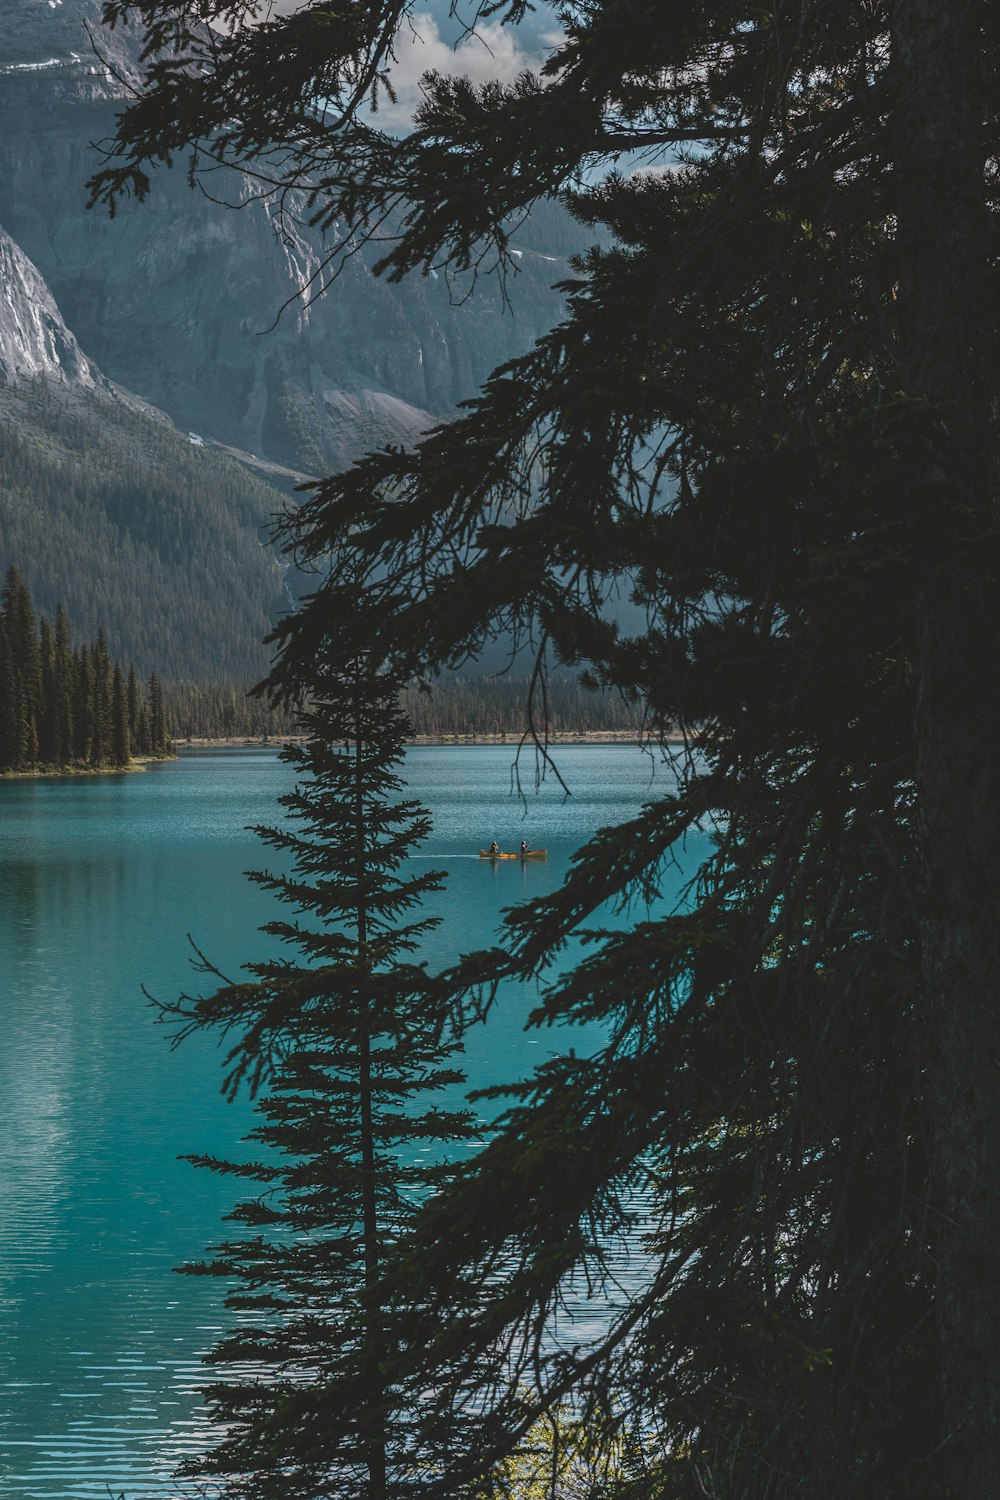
point(34, 338)
point(163, 385)
point(195, 305)
point(134, 526)
point(106, 506)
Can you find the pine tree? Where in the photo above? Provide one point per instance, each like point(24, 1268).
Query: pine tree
point(352, 1032)
point(769, 417)
point(143, 741)
point(63, 688)
point(83, 703)
point(100, 736)
point(11, 721)
point(48, 748)
point(65, 705)
point(22, 639)
point(159, 742)
point(132, 703)
point(121, 746)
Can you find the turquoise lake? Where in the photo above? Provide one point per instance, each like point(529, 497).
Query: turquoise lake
point(101, 881)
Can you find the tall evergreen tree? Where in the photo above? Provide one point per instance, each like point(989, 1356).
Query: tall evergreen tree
point(121, 744)
point(83, 703)
point(100, 732)
point(770, 416)
point(351, 1033)
point(48, 749)
point(62, 705)
point(158, 739)
point(143, 740)
point(132, 703)
point(22, 639)
point(11, 720)
point(63, 688)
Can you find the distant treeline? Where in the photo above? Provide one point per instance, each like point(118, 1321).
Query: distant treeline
point(498, 705)
point(64, 706)
point(222, 711)
point(455, 705)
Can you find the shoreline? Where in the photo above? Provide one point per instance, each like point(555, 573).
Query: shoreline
point(137, 764)
point(556, 737)
point(198, 744)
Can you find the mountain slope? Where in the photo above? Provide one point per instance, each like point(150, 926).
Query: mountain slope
point(104, 505)
point(176, 300)
point(105, 325)
point(138, 530)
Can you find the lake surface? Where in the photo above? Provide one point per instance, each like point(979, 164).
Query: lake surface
point(101, 881)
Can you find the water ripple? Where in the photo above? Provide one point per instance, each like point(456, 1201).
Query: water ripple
point(100, 883)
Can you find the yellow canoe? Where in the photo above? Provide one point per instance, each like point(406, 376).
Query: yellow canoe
point(528, 854)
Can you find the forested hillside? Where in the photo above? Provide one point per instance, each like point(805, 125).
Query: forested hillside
point(136, 529)
point(223, 710)
point(454, 706)
point(103, 504)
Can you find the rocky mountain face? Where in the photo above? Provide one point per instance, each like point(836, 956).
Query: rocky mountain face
point(148, 362)
point(35, 342)
point(56, 38)
point(178, 299)
point(107, 508)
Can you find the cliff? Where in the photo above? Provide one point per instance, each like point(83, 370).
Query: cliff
point(35, 342)
point(148, 362)
point(177, 299)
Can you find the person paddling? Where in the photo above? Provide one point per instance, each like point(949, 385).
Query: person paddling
point(524, 847)
point(494, 847)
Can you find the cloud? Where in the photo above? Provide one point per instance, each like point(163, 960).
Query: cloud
point(492, 52)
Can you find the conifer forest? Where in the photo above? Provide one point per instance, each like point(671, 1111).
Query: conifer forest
point(738, 502)
point(69, 707)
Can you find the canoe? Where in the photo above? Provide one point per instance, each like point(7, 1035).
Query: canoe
point(531, 854)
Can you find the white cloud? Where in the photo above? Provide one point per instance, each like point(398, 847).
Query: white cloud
point(491, 52)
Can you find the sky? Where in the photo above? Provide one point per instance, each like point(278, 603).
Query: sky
point(434, 40)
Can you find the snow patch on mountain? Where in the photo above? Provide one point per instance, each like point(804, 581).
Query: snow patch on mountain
point(66, 41)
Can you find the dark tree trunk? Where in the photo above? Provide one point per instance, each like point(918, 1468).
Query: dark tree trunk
point(376, 1459)
point(944, 249)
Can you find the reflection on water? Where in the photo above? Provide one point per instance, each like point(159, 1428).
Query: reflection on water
point(100, 882)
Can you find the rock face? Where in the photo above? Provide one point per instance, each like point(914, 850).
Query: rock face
point(190, 307)
point(179, 299)
point(62, 45)
point(34, 339)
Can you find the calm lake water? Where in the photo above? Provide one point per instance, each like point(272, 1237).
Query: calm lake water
point(101, 880)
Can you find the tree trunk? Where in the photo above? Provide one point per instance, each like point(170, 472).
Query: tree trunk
point(944, 248)
point(376, 1457)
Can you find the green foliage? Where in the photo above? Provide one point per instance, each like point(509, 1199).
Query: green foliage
point(500, 705)
point(454, 706)
point(137, 530)
point(296, 435)
point(223, 710)
point(346, 1037)
point(63, 708)
point(562, 1456)
point(769, 418)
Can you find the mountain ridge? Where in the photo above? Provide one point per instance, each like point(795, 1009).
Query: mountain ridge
point(198, 304)
point(179, 330)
